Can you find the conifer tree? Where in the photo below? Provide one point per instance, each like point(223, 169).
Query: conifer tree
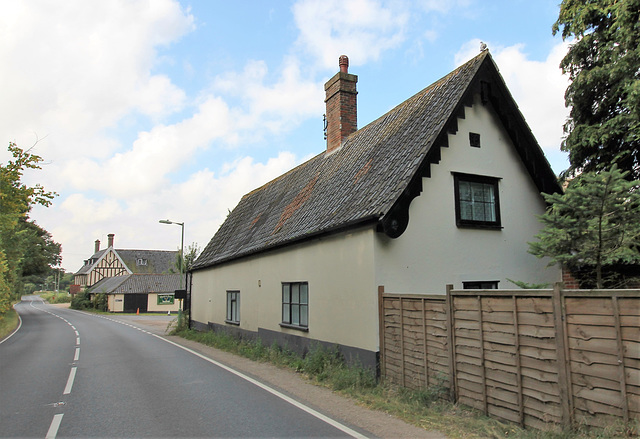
point(594, 224)
point(603, 62)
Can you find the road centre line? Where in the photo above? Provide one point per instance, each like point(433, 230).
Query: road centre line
point(55, 425)
point(72, 377)
point(76, 357)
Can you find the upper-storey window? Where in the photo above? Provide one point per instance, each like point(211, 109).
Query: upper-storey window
point(477, 201)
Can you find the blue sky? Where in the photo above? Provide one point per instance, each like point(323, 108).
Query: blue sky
point(146, 110)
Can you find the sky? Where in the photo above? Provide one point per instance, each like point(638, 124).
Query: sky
point(145, 110)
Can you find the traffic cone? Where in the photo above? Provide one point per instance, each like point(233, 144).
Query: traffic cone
point(138, 312)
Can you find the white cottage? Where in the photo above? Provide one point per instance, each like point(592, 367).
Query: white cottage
point(443, 189)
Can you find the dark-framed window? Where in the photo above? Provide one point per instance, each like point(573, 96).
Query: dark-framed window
point(477, 201)
point(295, 304)
point(480, 285)
point(233, 307)
point(474, 140)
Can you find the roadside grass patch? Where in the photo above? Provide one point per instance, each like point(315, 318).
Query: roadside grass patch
point(52, 297)
point(427, 408)
point(8, 322)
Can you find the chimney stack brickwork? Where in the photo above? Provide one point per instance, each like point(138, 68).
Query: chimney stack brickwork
point(110, 236)
point(97, 247)
point(341, 102)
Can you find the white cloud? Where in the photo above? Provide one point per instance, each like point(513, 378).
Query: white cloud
point(77, 67)
point(537, 86)
point(362, 29)
point(201, 202)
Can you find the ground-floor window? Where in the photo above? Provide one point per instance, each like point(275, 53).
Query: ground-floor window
point(233, 307)
point(295, 304)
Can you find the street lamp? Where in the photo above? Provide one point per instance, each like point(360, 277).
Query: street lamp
point(181, 255)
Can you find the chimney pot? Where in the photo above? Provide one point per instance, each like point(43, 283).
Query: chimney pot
point(110, 236)
point(343, 62)
point(97, 248)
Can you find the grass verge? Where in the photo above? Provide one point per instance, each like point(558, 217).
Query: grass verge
point(8, 323)
point(428, 409)
point(52, 297)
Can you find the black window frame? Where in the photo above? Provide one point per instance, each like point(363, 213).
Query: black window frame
point(474, 140)
point(480, 285)
point(290, 306)
point(484, 180)
point(233, 312)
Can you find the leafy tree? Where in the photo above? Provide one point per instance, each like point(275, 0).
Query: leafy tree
point(19, 238)
point(190, 255)
point(594, 224)
point(603, 62)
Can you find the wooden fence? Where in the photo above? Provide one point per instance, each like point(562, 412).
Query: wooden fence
point(532, 357)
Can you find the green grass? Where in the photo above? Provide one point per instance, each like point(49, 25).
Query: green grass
point(52, 297)
point(8, 323)
point(428, 409)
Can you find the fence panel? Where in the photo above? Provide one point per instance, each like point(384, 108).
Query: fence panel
point(532, 357)
point(414, 341)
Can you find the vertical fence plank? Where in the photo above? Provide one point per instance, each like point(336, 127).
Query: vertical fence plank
point(621, 368)
point(559, 321)
point(402, 360)
point(453, 381)
point(516, 333)
point(425, 350)
point(381, 326)
point(483, 373)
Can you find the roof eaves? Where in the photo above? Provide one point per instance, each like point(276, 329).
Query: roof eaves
point(362, 222)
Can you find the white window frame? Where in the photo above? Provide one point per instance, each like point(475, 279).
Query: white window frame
point(233, 307)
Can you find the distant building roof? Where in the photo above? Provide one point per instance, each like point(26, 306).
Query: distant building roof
point(138, 284)
point(138, 261)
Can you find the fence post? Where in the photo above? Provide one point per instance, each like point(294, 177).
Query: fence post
point(559, 320)
point(453, 385)
point(381, 324)
point(402, 359)
point(425, 353)
point(621, 367)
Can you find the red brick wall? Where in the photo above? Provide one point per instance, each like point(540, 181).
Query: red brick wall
point(342, 112)
point(570, 282)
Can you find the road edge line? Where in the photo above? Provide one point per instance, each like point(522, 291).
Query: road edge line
point(271, 390)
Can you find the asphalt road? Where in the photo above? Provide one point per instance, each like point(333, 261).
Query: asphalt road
point(66, 373)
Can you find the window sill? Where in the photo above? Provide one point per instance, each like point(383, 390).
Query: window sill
point(296, 327)
point(231, 322)
point(479, 226)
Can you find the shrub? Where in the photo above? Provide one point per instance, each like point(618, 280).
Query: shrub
point(81, 301)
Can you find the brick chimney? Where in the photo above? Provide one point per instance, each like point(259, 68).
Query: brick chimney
point(341, 102)
point(97, 248)
point(110, 236)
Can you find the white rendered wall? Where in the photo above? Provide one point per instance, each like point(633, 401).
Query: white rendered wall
point(343, 305)
point(434, 252)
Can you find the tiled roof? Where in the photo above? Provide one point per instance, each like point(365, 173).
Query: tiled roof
point(368, 179)
point(138, 284)
point(156, 261)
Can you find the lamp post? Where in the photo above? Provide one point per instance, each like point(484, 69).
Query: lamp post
point(181, 258)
